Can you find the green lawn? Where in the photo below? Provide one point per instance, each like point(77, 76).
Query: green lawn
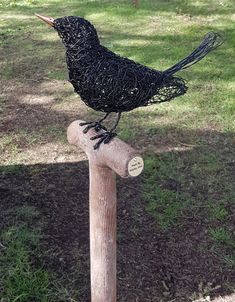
point(188, 144)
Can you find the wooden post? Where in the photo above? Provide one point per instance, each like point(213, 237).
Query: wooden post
point(104, 163)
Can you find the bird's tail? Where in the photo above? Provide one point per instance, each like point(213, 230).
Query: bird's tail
point(211, 41)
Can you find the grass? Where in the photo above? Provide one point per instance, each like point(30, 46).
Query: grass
point(161, 191)
point(23, 275)
point(188, 143)
point(21, 280)
point(221, 235)
point(165, 206)
point(218, 212)
point(13, 169)
point(223, 240)
point(177, 185)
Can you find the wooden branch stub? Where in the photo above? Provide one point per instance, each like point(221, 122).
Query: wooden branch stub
point(117, 155)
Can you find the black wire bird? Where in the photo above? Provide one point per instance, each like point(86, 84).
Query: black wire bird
point(110, 83)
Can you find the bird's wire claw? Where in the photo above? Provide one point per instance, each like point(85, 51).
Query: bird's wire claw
point(96, 125)
point(105, 138)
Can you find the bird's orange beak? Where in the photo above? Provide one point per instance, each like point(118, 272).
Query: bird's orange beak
point(48, 20)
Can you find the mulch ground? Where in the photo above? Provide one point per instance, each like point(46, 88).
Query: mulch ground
point(153, 265)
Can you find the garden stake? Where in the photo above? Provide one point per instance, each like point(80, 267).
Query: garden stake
point(114, 158)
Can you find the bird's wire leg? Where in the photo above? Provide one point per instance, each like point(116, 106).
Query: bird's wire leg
point(97, 125)
point(107, 136)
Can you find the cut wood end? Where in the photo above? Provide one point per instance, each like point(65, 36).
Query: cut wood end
point(116, 155)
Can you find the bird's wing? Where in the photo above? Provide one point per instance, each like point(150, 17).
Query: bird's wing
point(119, 84)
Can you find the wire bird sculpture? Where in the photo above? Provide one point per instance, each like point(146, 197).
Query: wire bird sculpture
point(108, 82)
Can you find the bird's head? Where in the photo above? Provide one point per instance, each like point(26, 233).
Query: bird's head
point(75, 32)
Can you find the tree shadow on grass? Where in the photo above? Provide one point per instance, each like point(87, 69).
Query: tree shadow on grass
point(154, 264)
